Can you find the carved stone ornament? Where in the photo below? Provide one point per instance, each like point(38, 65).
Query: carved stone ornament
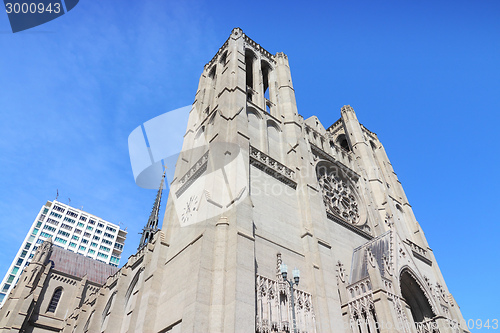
point(339, 198)
point(341, 272)
point(387, 264)
point(370, 257)
point(388, 220)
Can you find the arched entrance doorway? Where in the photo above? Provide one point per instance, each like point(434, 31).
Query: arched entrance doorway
point(417, 302)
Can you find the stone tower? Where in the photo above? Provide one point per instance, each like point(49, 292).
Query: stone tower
point(256, 186)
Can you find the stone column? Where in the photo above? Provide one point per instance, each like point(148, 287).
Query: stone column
point(258, 84)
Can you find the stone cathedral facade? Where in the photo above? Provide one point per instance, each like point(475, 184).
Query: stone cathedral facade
point(257, 186)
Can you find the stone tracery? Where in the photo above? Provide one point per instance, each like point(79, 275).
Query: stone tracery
point(339, 198)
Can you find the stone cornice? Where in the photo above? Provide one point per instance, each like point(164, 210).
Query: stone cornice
point(192, 174)
point(272, 167)
point(351, 227)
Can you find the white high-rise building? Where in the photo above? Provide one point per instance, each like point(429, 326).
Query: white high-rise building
point(72, 229)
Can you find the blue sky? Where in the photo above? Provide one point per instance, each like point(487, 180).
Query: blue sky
point(423, 75)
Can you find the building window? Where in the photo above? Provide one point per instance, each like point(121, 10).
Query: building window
point(86, 234)
point(85, 241)
point(67, 227)
point(72, 214)
point(96, 238)
point(78, 231)
point(60, 240)
point(19, 262)
point(104, 248)
point(64, 233)
point(106, 312)
point(69, 220)
point(89, 228)
point(38, 224)
point(108, 235)
point(83, 218)
point(100, 225)
point(55, 300)
point(51, 221)
point(91, 221)
point(93, 244)
point(97, 231)
point(49, 228)
point(75, 238)
point(30, 257)
point(27, 246)
point(59, 209)
point(105, 241)
point(110, 229)
point(102, 255)
point(118, 246)
point(82, 248)
point(56, 215)
point(35, 231)
point(46, 235)
point(86, 326)
point(342, 142)
point(45, 210)
point(91, 251)
point(72, 244)
point(24, 253)
point(39, 241)
point(11, 278)
point(114, 259)
point(6, 287)
point(80, 224)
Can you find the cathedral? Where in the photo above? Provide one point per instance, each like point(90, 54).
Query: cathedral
point(274, 223)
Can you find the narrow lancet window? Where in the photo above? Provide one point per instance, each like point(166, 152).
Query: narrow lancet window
point(54, 300)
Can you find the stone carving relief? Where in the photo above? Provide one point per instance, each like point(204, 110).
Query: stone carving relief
point(341, 275)
point(387, 264)
point(370, 257)
point(388, 220)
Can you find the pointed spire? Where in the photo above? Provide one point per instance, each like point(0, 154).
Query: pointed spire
point(152, 225)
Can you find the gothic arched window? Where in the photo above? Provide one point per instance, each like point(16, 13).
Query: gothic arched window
point(340, 195)
point(56, 296)
point(223, 59)
point(105, 313)
point(249, 59)
point(342, 142)
point(87, 323)
point(131, 287)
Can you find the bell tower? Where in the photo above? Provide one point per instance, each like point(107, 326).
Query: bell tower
point(258, 188)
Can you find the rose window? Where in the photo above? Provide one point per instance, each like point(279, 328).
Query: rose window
point(339, 198)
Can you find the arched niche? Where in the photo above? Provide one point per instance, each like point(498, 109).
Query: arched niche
point(254, 126)
point(274, 139)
